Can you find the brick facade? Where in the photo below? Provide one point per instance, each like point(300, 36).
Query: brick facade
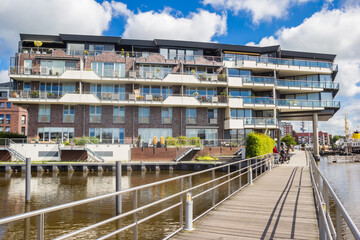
point(16, 114)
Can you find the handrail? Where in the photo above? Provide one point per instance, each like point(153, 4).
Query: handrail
point(323, 191)
point(95, 154)
point(258, 165)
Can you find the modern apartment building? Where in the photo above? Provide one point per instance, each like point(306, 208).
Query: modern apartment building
point(324, 138)
point(117, 89)
point(286, 128)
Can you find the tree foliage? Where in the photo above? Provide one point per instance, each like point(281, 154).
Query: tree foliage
point(288, 140)
point(258, 144)
point(334, 139)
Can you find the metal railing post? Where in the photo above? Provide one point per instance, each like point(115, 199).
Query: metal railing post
point(250, 176)
point(40, 227)
point(189, 213)
point(229, 185)
point(213, 192)
point(269, 165)
point(181, 216)
point(135, 216)
point(322, 227)
point(118, 188)
point(28, 180)
point(338, 223)
point(239, 175)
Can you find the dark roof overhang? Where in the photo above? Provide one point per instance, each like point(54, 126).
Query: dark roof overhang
point(89, 38)
point(37, 37)
point(323, 115)
point(317, 56)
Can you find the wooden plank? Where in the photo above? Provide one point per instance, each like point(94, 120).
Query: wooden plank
point(279, 205)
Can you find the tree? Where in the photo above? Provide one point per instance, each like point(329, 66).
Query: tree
point(293, 133)
point(334, 139)
point(288, 140)
point(258, 144)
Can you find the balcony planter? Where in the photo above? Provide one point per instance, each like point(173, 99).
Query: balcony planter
point(34, 94)
point(14, 94)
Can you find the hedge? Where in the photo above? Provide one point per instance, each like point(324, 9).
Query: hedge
point(11, 135)
point(258, 144)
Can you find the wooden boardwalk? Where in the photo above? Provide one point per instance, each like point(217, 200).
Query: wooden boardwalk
point(279, 205)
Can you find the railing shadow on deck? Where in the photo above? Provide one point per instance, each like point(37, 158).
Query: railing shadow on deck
point(231, 182)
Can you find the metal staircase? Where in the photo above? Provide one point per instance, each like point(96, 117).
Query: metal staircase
point(94, 156)
point(187, 151)
point(15, 154)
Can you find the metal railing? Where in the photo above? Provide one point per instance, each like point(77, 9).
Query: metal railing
point(256, 79)
point(260, 121)
point(232, 181)
point(330, 227)
point(306, 84)
point(308, 103)
point(259, 100)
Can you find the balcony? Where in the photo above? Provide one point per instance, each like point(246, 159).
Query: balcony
point(258, 80)
point(260, 122)
point(306, 85)
point(294, 103)
point(259, 101)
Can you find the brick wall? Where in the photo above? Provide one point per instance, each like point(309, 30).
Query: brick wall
point(15, 113)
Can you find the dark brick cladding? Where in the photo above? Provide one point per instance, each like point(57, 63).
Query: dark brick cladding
point(131, 124)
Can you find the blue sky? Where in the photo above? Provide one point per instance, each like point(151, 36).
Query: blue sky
point(306, 25)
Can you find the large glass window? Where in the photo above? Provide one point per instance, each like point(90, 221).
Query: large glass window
point(212, 116)
point(147, 134)
point(166, 115)
point(75, 48)
point(95, 114)
point(69, 114)
point(191, 116)
point(158, 93)
point(56, 67)
point(233, 72)
point(154, 71)
point(108, 69)
point(240, 113)
point(108, 135)
point(119, 114)
point(27, 66)
point(144, 115)
point(44, 113)
point(108, 91)
point(27, 87)
point(326, 96)
point(55, 134)
point(239, 93)
point(7, 119)
point(210, 136)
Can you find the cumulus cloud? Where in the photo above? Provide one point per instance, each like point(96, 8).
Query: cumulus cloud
point(199, 26)
point(260, 10)
point(330, 31)
point(51, 17)
point(4, 77)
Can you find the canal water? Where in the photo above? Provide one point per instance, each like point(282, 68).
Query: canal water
point(50, 189)
point(344, 178)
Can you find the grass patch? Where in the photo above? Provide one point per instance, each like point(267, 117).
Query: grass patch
point(206, 158)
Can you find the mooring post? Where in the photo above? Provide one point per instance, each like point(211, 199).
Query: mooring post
point(189, 213)
point(118, 188)
point(28, 180)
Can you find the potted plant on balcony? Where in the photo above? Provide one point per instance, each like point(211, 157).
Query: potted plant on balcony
point(160, 98)
point(193, 72)
point(38, 44)
point(154, 142)
point(50, 95)
point(34, 94)
point(14, 94)
point(122, 52)
point(139, 141)
point(195, 94)
point(162, 142)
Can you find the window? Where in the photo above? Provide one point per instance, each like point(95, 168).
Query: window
point(75, 48)
point(23, 131)
point(7, 129)
point(108, 91)
point(1, 118)
point(108, 135)
point(27, 66)
point(56, 67)
point(119, 115)
point(233, 72)
point(159, 93)
point(212, 116)
point(55, 133)
point(108, 69)
point(210, 136)
point(44, 113)
point(2, 105)
point(1, 129)
point(95, 114)
point(166, 115)
point(147, 134)
point(69, 114)
point(27, 87)
point(154, 71)
point(191, 116)
point(8, 105)
point(240, 113)
point(239, 93)
point(7, 119)
point(144, 115)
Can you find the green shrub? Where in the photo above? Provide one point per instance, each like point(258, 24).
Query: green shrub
point(258, 144)
point(94, 140)
point(170, 141)
point(66, 143)
point(182, 140)
point(80, 141)
point(194, 141)
point(11, 135)
point(288, 140)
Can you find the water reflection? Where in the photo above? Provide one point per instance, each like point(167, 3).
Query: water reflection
point(344, 179)
point(54, 188)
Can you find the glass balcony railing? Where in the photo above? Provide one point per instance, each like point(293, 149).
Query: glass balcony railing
point(259, 121)
point(281, 61)
point(261, 80)
point(307, 84)
point(259, 100)
point(308, 103)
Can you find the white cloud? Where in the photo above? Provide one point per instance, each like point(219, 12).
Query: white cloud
point(4, 77)
point(51, 17)
point(199, 26)
point(120, 9)
point(330, 31)
point(260, 10)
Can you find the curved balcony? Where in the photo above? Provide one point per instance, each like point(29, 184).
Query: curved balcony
point(306, 85)
point(295, 103)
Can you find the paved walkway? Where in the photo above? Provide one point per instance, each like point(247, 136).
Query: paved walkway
point(279, 205)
